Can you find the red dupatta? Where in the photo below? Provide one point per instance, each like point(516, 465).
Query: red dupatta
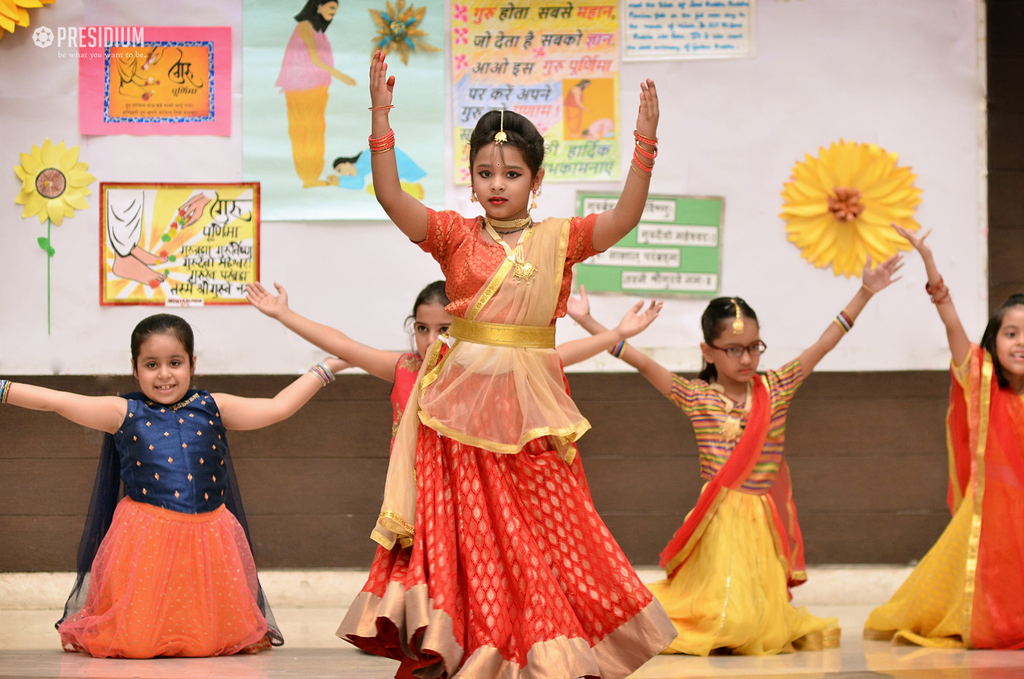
point(731, 476)
point(985, 433)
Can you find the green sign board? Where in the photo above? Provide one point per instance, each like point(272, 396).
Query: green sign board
point(674, 250)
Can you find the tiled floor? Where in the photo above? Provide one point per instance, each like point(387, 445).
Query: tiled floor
point(28, 647)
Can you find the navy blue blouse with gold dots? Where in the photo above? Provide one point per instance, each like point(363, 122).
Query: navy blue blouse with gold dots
point(172, 456)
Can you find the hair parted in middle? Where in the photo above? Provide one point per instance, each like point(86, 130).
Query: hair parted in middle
point(159, 324)
point(520, 133)
point(720, 315)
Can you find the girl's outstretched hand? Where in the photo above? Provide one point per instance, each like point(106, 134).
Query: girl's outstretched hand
point(265, 301)
point(647, 118)
point(335, 364)
point(915, 238)
point(882, 275)
point(577, 308)
point(637, 319)
point(381, 85)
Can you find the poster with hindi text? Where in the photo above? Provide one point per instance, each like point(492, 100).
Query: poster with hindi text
point(675, 250)
point(557, 63)
point(178, 244)
point(688, 29)
point(154, 80)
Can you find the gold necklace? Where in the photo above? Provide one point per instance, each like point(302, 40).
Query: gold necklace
point(521, 269)
point(510, 226)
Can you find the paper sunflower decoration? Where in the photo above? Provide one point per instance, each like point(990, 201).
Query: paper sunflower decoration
point(397, 29)
point(840, 205)
point(54, 185)
point(14, 13)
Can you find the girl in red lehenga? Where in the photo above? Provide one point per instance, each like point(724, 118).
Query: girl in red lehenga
point(493, 561)
point(430, 319)
point(965, 592)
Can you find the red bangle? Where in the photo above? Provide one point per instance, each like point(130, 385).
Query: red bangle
point(938, 293)
point(645, 153)
point(382, 144)
point(645, 168)
point(646, 140)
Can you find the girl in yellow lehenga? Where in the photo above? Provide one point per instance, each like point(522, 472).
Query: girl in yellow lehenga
point(965, 593)
point(739, 550)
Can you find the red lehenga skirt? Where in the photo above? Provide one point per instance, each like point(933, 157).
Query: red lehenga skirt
point(511, 574)
point(165, 583)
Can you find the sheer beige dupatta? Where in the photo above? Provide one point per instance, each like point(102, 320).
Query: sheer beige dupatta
point(499, 386)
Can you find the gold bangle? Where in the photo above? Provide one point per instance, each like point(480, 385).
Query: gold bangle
point(864, 285)
point(646, 177)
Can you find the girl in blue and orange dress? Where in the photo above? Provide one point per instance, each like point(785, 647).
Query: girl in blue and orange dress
point(739, 550)
point(167, 570)
point(430, 319)
point(492, 561)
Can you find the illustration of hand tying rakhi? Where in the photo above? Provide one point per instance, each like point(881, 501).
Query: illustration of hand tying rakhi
point(125, 219)
point(54, 185)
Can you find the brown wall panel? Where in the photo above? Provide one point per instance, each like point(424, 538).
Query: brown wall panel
point(860, 445)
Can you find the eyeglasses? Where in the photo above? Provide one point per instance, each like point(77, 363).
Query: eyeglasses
point(755, 349)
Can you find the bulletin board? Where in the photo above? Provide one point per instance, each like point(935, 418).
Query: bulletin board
point(674, 250)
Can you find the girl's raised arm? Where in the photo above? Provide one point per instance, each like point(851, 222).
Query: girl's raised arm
point(374, 361)
point(652, 371)
point(240, 413)
point(408, 214)
point(633, 323)
point(872, 281)
point(613, 224)
point(105, 413)
point(959, 344)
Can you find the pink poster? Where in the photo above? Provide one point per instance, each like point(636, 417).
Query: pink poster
point(153, 79)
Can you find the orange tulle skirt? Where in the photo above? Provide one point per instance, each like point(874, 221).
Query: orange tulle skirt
point(169, 584)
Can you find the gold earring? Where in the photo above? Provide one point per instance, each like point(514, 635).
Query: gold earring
point(472, 196)
point(533, 203)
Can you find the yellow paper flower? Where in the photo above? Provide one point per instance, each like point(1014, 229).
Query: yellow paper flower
point(397, 29)
point(54, 183)
point(839, 207)
point(14, 13)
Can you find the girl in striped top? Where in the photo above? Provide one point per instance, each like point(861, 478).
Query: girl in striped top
point(731, 563)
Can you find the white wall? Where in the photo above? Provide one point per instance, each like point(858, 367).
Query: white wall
point(906, 74)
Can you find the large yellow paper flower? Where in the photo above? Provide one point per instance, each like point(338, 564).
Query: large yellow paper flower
point(14, 13)
point(840, 205)
point(54, 183)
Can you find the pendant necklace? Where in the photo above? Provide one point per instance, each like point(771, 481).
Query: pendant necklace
point(521, 269)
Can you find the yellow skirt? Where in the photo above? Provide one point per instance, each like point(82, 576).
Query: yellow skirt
point(731, 592)
point(928, 609)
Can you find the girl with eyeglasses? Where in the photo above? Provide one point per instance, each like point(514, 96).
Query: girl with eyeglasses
point(739, 550)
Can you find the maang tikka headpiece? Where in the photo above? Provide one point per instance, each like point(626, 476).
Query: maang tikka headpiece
point(500, 137)
point(737, 325)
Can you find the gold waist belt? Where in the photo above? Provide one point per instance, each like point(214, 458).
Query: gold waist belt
point(501, 335)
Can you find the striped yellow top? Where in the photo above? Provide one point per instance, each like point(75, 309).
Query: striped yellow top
point(709, 410)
